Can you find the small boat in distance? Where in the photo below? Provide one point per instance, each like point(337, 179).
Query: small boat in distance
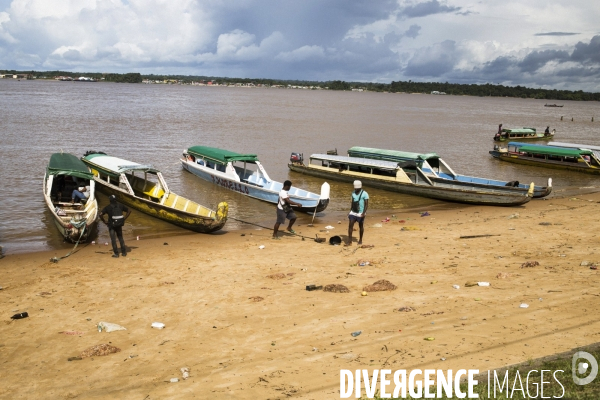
point(552, 105)
point(438, 171)
point(64, 174)
point(218, 166)
point(142, 187)
point(569, 158)
point(522, 134)
point(390, 175)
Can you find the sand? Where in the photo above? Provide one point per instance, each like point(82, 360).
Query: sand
point(245, 335)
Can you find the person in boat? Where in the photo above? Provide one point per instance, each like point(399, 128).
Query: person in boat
point(358, 211)
point(115, 223)
point(500, 129)
point(82, 193)
point(547, 131)
point(284, 210)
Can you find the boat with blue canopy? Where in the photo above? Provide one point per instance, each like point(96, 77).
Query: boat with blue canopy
point(142, 187)
point(395, 176)
point(569, 158)
point(243, 173)
point(438, 170)
point(76, 220)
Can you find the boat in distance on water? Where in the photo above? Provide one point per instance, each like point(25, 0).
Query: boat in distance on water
point(507, 134)
point(143, 188)
point(218, 166)
point(64, 174)
point(439, 171)
point(569, 158)
point(553, 105)
point(389, 175)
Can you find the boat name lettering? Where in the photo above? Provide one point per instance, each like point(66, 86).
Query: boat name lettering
point(229, 184)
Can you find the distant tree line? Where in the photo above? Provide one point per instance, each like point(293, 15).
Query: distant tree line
point(456, 89)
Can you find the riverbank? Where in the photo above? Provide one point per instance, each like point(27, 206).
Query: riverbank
point(240, 319)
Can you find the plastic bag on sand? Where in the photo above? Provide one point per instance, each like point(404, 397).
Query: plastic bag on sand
point(109, 327)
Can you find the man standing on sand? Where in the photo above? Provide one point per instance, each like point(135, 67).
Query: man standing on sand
point(284, 209)
point(358, 210)
point(115, 223)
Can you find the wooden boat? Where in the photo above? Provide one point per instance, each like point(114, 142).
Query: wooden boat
point(142, 187)
point(522, 134)
point(438, 170)
point(65, 173)
point(574, 159)
point(218, 166)
point(389, 175)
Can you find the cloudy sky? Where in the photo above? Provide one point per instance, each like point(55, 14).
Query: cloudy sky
point(536, 43)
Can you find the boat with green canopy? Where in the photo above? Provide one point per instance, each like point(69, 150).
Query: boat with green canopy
point(395, 176)
point(569, 158)
point(524, 133)
point(436, 169)
point(243, 173)
point(74, 217)
point(142, 187)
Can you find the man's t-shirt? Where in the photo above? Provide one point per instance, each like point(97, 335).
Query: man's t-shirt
point(282, 195)
point(360, 197)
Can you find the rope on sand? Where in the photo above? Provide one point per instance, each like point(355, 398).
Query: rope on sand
point(56, 259)
point(270, 229)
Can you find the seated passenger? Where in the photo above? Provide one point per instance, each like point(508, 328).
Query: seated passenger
point(82, 193)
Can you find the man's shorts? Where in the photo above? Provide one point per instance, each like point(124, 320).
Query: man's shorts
point(282, 215)
point(354, 218)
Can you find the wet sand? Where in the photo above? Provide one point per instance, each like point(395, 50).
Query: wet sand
point(207, 290)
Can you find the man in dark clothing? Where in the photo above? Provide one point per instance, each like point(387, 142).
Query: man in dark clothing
point(115, 223)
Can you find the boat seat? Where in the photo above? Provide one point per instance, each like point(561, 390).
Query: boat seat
point(253, 179)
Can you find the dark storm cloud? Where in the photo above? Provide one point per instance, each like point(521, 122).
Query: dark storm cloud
point(537, 59)
point(587, 53)
point(557, 34)
point(307, 22)
point(427, 8)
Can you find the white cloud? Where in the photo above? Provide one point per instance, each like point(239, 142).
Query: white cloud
point(301, 54)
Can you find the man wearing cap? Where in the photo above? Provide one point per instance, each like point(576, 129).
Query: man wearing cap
point(358, 210)
point(115, 223)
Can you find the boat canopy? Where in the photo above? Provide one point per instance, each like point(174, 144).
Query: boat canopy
point(380, 164)
point(520, 130)
point(68, 164)
point(391, 155)
point(219, 155)
point(550, 150)
point(115, 166)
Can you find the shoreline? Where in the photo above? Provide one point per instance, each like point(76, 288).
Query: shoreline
point(240, 319)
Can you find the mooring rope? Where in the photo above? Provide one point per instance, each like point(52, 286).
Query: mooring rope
point(55, 259)
point(264, 227)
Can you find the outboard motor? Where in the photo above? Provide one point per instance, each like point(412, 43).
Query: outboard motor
point(497, 137)
point(297, 158)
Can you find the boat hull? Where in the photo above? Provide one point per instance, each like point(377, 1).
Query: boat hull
point(536, 136)
point(182, 219)
point(542, 163)
point(453, 193)
point(538, 191)
point(257, 192)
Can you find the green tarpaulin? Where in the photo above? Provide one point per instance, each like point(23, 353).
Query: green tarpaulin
point(550, 150)
point(219, 155)
point(68, 164)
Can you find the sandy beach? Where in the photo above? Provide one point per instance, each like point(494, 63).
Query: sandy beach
point(239, 317)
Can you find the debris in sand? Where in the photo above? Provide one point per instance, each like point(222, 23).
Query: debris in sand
point(99, 350)
point(406, 309)
point(256, 299)
point(503, 275)
point(530, 264)
point(185, 372)
point(110, 327)
point(335, 288)
point(470, 284)
point(276, 276)
point(380, 286)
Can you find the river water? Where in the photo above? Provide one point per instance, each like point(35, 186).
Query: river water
point(154, 123)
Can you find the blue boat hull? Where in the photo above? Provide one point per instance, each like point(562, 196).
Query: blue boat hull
point(270, 193)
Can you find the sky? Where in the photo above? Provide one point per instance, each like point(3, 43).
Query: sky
point(535, 43)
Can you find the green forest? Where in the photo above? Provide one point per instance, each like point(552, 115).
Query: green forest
point(456, 89)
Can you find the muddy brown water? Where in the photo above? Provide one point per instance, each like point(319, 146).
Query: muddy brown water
point(154, 123)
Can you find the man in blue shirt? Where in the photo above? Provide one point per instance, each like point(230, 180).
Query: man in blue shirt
point(358, 210)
